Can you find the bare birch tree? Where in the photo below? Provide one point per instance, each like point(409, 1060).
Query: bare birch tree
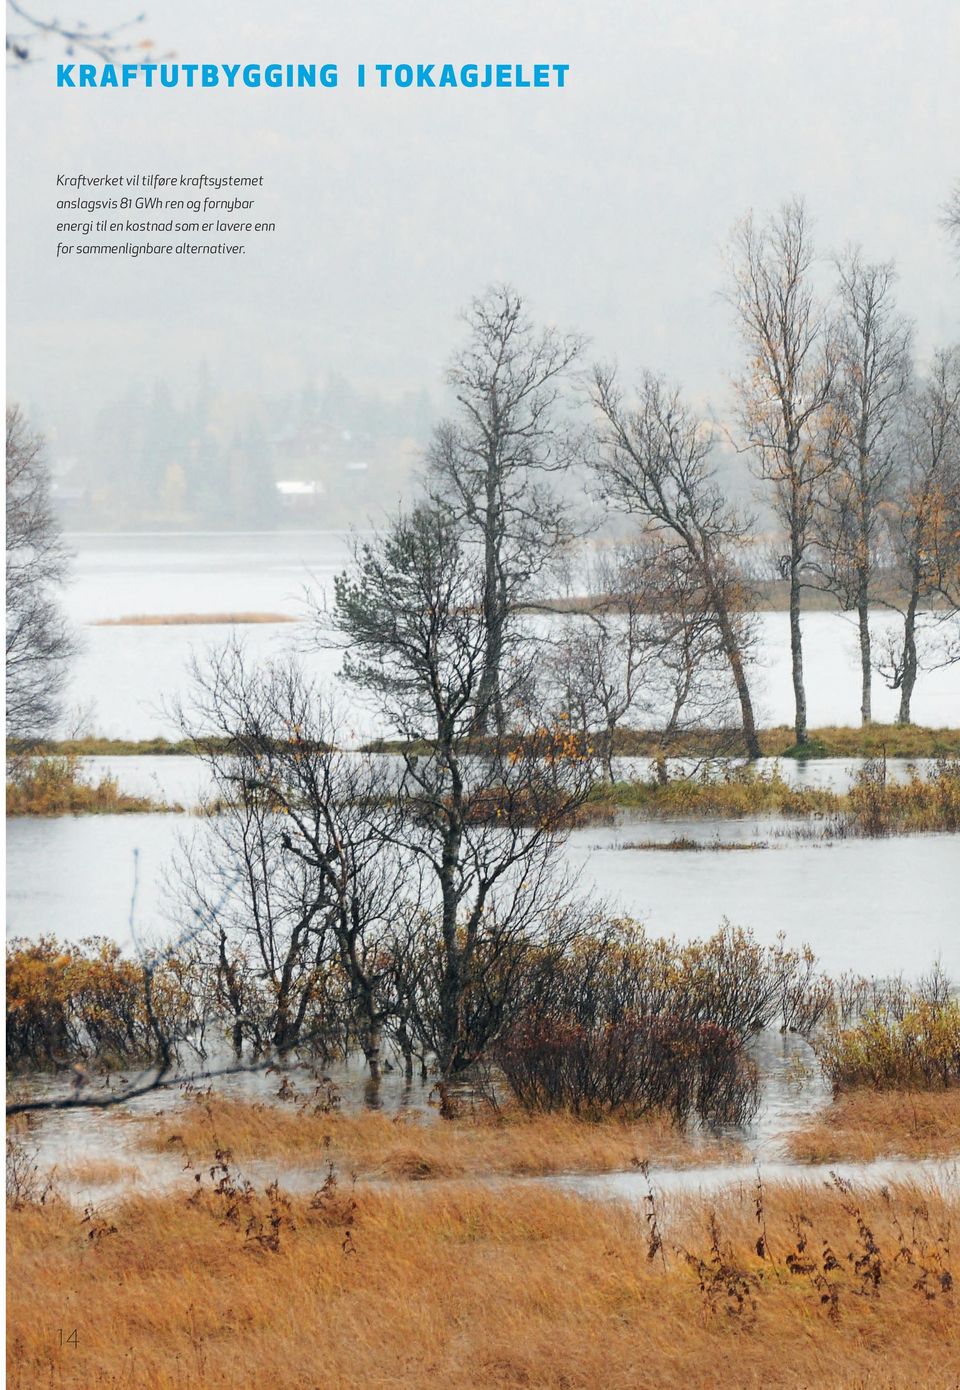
point(653, 461)
point(925, 533)
point(784, 390)
point(647, 647)
point(297, 872)
point(39, 641)
point(491, 465)
point(951, 218)
point(873, 343)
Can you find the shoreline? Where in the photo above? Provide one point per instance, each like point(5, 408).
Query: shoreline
point(827, 742)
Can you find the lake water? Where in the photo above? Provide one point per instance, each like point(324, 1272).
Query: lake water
point(173, 779)
point(125, 675)
point(876, 906)
point(67, 1139)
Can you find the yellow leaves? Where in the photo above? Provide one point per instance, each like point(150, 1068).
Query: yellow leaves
point(919, 1048)
point(75, 1001)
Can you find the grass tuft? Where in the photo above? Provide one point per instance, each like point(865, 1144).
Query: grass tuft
point(414, 1145)
point(863, 1125)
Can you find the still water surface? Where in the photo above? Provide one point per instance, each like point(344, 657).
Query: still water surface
point(126, 675)
point(875, 906)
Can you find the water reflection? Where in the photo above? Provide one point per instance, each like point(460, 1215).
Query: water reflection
point(67, 1142)
point(873, 906)
point(185, 780)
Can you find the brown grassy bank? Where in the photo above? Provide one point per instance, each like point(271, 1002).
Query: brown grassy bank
point(833, 741)
point(57, 787)
point(866, 1124)
point(897, 741)
point(412, 1145)
point(765, 596)
point(871, 741)
point(875, 804)
point(191, 619)
point(480, 1289)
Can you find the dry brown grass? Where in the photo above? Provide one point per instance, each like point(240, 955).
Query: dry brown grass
point(475, 1288)
point(868, 1124)
point(94, 1172)
point(414, 1145)
point(191, 619)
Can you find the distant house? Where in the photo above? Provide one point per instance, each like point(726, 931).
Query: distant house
point(300, 494)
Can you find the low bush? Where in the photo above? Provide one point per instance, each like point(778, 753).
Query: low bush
point(633, 1066)
point(68, 1004)
point(623, 1021)
point(894, 1049)
point(878, 806)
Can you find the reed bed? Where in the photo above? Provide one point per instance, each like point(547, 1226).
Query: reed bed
point(192, 619)
point(738, 791)
point(416, 1145)
point(57, 787)
point(874, 806)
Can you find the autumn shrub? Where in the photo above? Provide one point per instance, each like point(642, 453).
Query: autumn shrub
point(728, 979)
point(622, 1021)
point(724, 789)
point(56, 787)
point(894, 1049)
point(633, 1065)
point(877, 806)
point(88, 1001)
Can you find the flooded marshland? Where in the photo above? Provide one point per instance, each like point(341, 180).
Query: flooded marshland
point(879, 907)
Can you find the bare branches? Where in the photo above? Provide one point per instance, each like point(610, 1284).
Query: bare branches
point(307, 831)
point(481, 820)
point(489, 467)
point(648, 647)
point(39, 641)
point(26, 27)
point(924, 531)
point(786, 388)
point(951, 218)
point(870, 385)
point(653, 461)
